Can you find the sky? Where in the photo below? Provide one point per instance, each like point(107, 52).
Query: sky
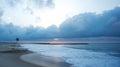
point(45, 13)
point(44, 19)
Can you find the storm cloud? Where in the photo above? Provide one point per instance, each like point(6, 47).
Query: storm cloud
point(91, 24)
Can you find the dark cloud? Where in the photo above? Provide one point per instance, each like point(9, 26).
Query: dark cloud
point(52, 31)
point(43, 3)
point(1, 12)
point(82, 25)
point(35, 3)
point(10, 32)
point(91, 24)
point(50, 3)
point(12, 3)
point(38, 3)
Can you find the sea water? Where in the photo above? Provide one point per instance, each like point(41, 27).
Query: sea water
point(76, 57)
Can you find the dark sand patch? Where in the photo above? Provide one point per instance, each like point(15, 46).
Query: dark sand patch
point(13, 60)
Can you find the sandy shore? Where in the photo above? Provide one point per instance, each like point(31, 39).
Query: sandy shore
point(12, 58)
point(46, 61)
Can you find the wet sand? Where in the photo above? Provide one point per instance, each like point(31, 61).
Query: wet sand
point(12, 58)
point(46, 61)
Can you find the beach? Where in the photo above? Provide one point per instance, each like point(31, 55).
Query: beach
point(48, 55)
point(12, 58)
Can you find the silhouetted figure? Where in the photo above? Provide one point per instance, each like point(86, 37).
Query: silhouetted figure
point(17, 39)
point(17, 42)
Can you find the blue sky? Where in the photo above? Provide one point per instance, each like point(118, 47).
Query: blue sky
point(48, 12)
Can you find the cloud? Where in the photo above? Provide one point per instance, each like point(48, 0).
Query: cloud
point(92, 25)
point(43, 3)
point(29, 10)
point(27, 4)
point(13, 3)
point(1, 12)
point(50, 3)
point(82, 25)
point(38, 3)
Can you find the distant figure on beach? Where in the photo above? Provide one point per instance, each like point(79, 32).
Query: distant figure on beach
point(17, 39)
point(17, 42)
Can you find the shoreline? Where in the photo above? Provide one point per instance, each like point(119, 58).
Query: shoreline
point(45, 61)
point(12, 58)
point(61, 42)
point(33, 59)
point(18, 60)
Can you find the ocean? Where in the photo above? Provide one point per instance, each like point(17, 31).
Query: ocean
point(81, 55)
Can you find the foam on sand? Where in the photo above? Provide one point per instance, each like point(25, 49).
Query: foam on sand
point(77, 57)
